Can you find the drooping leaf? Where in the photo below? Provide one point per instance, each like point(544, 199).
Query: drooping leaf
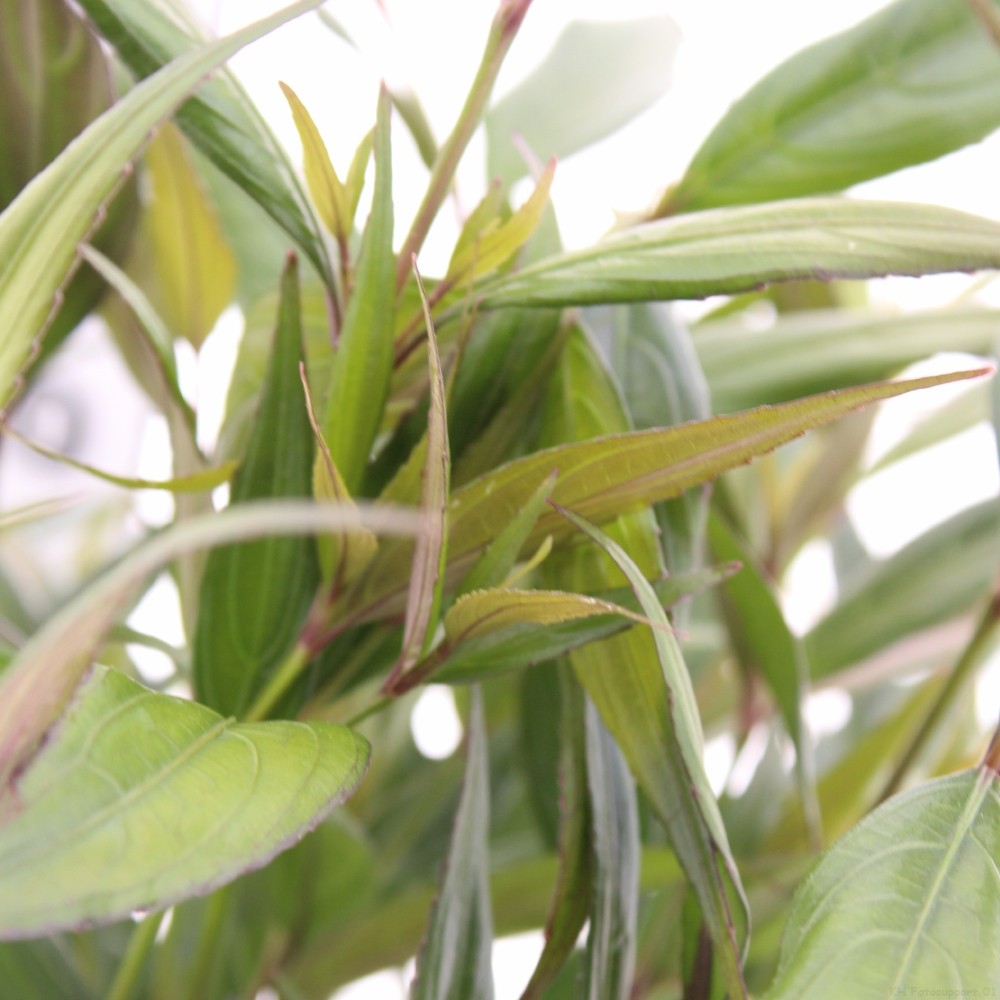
point(939, 575)
point(40, 230)
point(55, 80)
point(192, 271)
point(195, 482)
point(670, 770)
point(828, 349)
point(38, 682)
point(362, 368)
point(910, 896)
point(735, 249)
point(602, 478)
point(221, 121)
point(915, 81)
point(597, 77)
point(455, 960)
point(614, 913)
point(254, 595)
point(134, 781)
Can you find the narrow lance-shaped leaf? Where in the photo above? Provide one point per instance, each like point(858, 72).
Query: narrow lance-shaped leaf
point(454, 962)
point(572, 895)
point(83, 838)
point(191, 269)
point(730, 250)
point(910, 896)
point(604, 477)
point(195, 482)
point(40, 230)
point(915, 81)
point(363, 365)
point(766, 645)
point(611, 71)
point(254, 596)
point(615, 909)
point(427, 573)
point(221, 121)
point(672, 775)
point(36, 685)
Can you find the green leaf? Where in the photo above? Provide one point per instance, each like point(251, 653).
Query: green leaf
point(40, 230)
point(455, 960)
point(195, 482)
point(611, 475)
point(362, 369)
point(221, 121)
point(614, 912)
point(55, 80)
point(572, 895)
point(326, 188)
point(735, 249)
point(939, 575)
point(821, 350)
point(916, 81)
point(192, 269)
point(254, 595)
point(134, 781)
point(656, 723)
point(908, 900)
point(39, 681)
point(423, 604)
point(612, 70)
point(765, 645)
point(524, 643)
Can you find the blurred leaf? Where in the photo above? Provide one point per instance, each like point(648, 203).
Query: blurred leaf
point(362, 367)
point(38, 683)
point(767, 647)
point(830, 349)
point(734, 249)
point(55, 80)
point(221, 121)
point(454, 962)
point(327, 189)
point(614, 913)
point(40, 230)
point(572, 896)
point(916, 81)
point(133, 781)
point(665, 752)
point(598, 76)
point(192, 270)
point(254, 595)
point(940, 574)
point(196, 482)
point(495, 245)
point(910, 895)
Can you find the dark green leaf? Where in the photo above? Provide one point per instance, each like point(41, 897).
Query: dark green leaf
point(455, 960)
point(254, 595)
point(918, 80)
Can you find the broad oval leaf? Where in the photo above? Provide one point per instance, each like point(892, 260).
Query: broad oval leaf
point(918, 80)
point(907, 902)
point(40, 230)
point(141, 800)
point(729, 250)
